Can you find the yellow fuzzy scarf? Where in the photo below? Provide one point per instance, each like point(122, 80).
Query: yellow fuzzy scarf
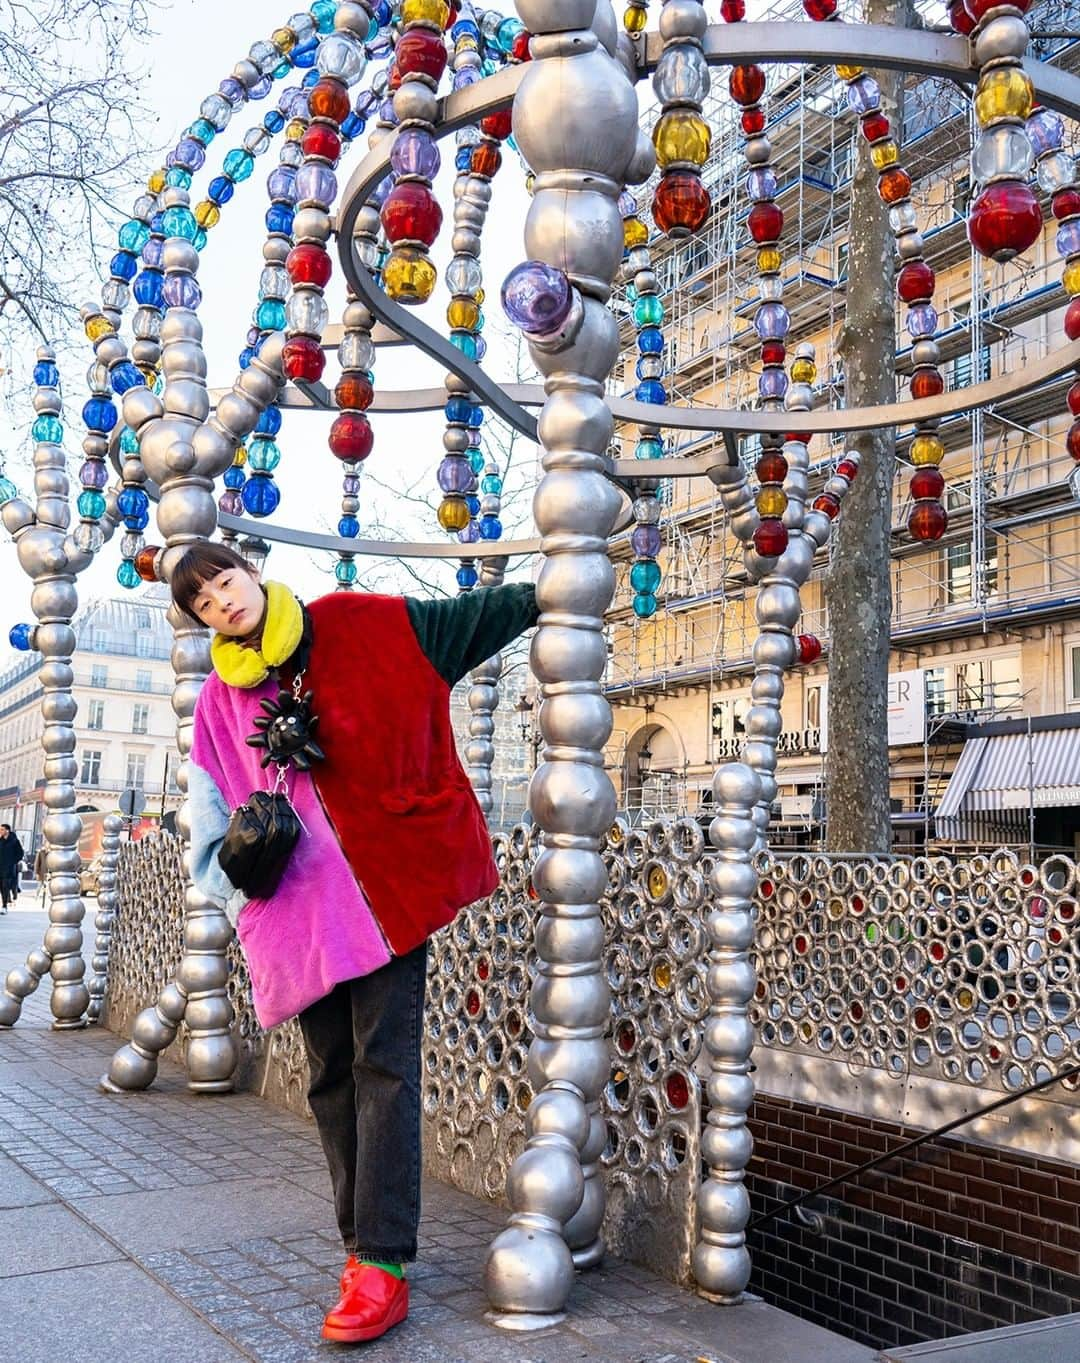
point(238, 665)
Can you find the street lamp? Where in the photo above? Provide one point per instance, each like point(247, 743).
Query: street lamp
point(255, 550)
point(644, 760)
point(523, 709)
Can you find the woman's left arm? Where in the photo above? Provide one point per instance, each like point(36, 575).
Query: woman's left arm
point(458, 633)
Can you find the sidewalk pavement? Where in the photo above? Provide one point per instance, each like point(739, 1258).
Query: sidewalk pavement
point(166, 1227)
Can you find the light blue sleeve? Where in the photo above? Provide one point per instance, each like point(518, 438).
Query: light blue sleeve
point(209, 816)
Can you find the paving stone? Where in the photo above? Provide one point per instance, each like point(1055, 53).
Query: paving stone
point(40, 1238)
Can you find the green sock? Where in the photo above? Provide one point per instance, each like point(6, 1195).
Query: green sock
point(396, 1270)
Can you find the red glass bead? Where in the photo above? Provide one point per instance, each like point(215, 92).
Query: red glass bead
point(875, 126)
point(733, 11)
point(819, 10)
point(351, 436)
point(302, 358)
point(753, 121)
point(771, 468)
point(927, 383)
point(677, 1090)
point(1004, 220)
point(453, 15)
point(771, 538)
point(1072, 397)
point(1065, 203)
point(329, 99)
point(322, 140)
point(894, 184)
point(498, 125)
point(486, 159)
point(827, 503)
point(145, 561)
point(960, 19)
point(847, 469)
point(419, 52)
point(772, 352)
point(393, 81)
point(746, 84)
point(765, 222)
point(809, 648)
point(977, 8)
point(1072, 441)
point(927, 485)
point(411, 213)
point(519, 50)
point(1072, 320)
point(680, 204)
point(927, 521)
point(354, 392)
point(309, 264)
point(915, 282)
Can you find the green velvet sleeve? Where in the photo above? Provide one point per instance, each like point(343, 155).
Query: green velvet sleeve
point(458, 633)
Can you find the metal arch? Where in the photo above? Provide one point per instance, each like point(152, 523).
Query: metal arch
point(310, 539)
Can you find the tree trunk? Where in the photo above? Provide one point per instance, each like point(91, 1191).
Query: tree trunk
point(857, 587)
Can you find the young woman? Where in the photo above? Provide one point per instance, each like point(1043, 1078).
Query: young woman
point(393, 844)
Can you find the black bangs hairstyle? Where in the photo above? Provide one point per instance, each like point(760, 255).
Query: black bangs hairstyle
point(200, 565)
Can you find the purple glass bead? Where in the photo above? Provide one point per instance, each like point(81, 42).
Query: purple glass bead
point(316, 182)
point(381, 190)
point(922, 321)
point(181, 291)
point(233, 91)
point(864, 95)
point(94, 474)
point(470, 534)
point(772, 383)
point(350, 485)
point(627, 204)
point(1068, 238)
point(261, 88)
point(231, 504)
point(536, 297)
point(481, 347)
point(190, 154)
point(365, 103)
point(468, 75)
point(454, 474)
point(645, 541)
point(281, 184)
point(761, 184)
point(386, 112)
point(771, 322)
point(474, 434)
point(293, 103)
point(153, 253)
point(253, 334)
point(415, 153)
point(1046, 132)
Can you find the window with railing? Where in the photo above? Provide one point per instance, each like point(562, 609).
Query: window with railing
point(99, 675)
point(140, 719)
point(91, 767)
point(143, 679)
point(95, 718)
point(959, 579)
point(135, 771)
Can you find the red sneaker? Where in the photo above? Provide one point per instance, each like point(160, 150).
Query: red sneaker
point(352, 1263)
point(373, 1302)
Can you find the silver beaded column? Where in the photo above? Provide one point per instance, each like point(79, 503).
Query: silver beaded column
point(574, 226)
point(483, 702)
point(106, 915)
point(182, 451)
point(721, 1261)
point(50, 557)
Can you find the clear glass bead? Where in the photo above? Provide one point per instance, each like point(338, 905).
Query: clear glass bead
point(367, 252)
point(1002, 151)
point(902, 217)
point(463, 275)
point(131, 544)
point(88, 538)
point(115, 294)
point(97, 379)
point(356, 352)
point(217, 111)
point(256, 141)
point(147, 324)
point(264, 55)
point(682, 75)
point(341, 57)
point(1056, 172)
point(306, 312)
point(771, 289)
point(274, 282)
point(302, 24)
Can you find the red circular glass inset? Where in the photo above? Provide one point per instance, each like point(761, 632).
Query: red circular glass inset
point(309, 264)
point(927, 521)
point(411, 213)
point(677, 1090)
point(1004, 220)
point(351, 436)
point(519, 49)
point(472, 1003)
point(625, 1037)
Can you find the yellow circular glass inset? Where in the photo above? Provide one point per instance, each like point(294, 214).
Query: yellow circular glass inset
point(434, 12)
point(681, 136)
point(662, 974)
point(1004, 92)
point(849, 72)
point(836, 908)
point(615, 834)
point(926, 449)
point(409, 276)
point(453, 513)
point(769, 260)
point(771, 502)
point(658, 882)
point(463, 314)
point(207, 214)
point(1071, 278)
point(96, 327)
point(803, 370)
point(965, 998)
point(634, 19)
point(156, 183)
point(296, 130)
point(284, 39)
point(634, 233)
point(884, 154)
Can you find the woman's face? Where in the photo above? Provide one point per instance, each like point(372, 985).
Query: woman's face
point(231, 603)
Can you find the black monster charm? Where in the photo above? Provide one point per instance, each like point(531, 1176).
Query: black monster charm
point(287, 730)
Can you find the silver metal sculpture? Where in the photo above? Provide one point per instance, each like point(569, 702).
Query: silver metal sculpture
point(483, 700)
point(106, 914)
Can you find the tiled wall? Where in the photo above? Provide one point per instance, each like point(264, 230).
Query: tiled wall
point(955, 1238)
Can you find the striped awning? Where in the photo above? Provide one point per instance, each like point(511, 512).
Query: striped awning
point(1001, 777)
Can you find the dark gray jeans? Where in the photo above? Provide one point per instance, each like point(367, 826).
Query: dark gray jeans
point(363, 1045)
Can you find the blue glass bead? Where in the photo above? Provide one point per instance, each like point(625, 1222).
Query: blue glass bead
point(94, 475)
point(91, 506)
point(269, 422)
point(651, 341)
point(311, 78)
point(383, 13)
point(234, 91)
point(491, 484)
point(644, 605)
point(181, 291)
point(133, 236)
point(317, 182)
point(476, 415)
point(261, 496)
point(238, 164)
point(132, 501)
point(279, 220)
point(645, 576)
point(303, 55)
point(645, 541)
point(465, 342)
point(262, 87)
point(245, 357)
point(922, 321)
point(476, 460)
point(179, 222)
point(99, 414)
point(467, 577)
point(457, 410)
point(490, 528)
point(124, 266)
point(274, 121)
point(129, 441)
point(7, 490)
point(19, 637)
point(464, 28)
point(772, 383)
point(468, 75)
point(178, 178)
point(221, 190)
point(204, 130)
point(473, 503)
point(199, 239)
point(652, 390)
point(270, 315)
point(864, 95)
point(190, 154)
point(136, 523)
point(1067, 239)
point(322, 11)
point(124, 376)
point(47, 430)
point(127, 575)
point(348, 527)
point(264, 455)
point(481, 347)
point(649, 448)
point(46, 374)
point(463, 158)
point(454, 474)
point(235, 477)
point(155, 224)
point(1046, 131)
point(345, 571)
point(353, 126)
point(153, 253)
point(148, 288)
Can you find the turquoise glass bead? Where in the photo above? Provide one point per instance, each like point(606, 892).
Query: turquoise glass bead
point(648, 311)
point(270, 315)
point(238, 164)
point(645, 576)
point(178, 177)
point(322, 11)
point(644, 605)
point(199, 239)
point(127, 575)
point(133, 236)
point(476, 459)
point(91, 506)
point(649, 448)
point(179, 222)
point(129, 441)
point(491, 484)
point(263, 455)
point(345, 571)
point(203, 131)
point(47, 429)
point(7, 490)
point(465, 342)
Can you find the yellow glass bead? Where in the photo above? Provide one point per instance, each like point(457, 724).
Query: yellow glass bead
point(207, 214)
point(1071, 278)
point(295, 131)
point(434, 12)
point(409, 276)
point(662, 974)
point(769, 260)
point(836, 908)
point(156, 183)
point(96, 327)
point(884, 154)
point(615, 834)
point(453, 513)
point(480, 296)
point(658, 882)
point(149, 374)
point(466, 44)
point(634, 19)
point(771, 502)
point(530, 183)
point(803, 370)
point(240, 457)
point(849, 72)
point(463, 314)
point(1004, 92)
point(634, 233)
point(284, 39)
point(681, 136)
point(926, 449)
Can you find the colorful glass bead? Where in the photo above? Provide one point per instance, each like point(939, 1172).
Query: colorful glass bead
point(1072, 441)
point(644, 605)
point(420, 52)
point(819, 10)
point(746, 84)
point(411, 213)
point(894, 185)
point(771, 502)
point(915, 282)
point(329, 99)
point(645, 541)
point(827, 504)
point(771, 538)
point(415, 152)
point(1003, 92)
point(681, 136)
point(20, 637)
point(260, 496)
point(321, 140)
point(928, 521)
point(766, 222)
point(681, 203)
point(303, 359)
point(771, 468)
point(354, 391)
point(453, 514)
point(309, 264)
point(351, 436)
point(926, 449)
point(645, 576)
point(927, 484)
point(1004, 220)
point(807, 648)
point(537, 298)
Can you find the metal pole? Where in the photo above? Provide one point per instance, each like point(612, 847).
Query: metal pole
point(1031, 793)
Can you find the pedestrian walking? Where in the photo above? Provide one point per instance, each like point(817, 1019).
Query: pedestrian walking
point(331, 815)
point(11, 855)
